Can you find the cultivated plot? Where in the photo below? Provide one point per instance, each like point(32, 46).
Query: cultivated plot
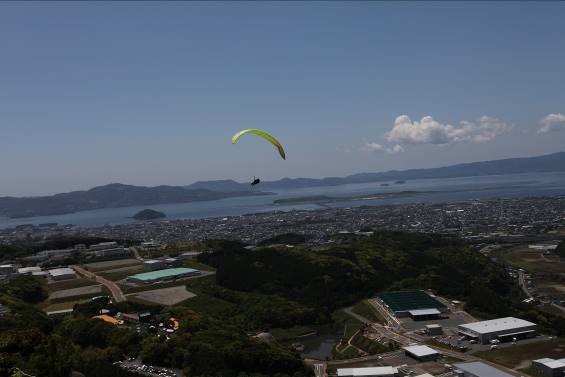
point(106, 265)
point(165, 296)
point(88, 290)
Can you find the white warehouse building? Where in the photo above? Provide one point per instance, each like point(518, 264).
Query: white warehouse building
point(502, 329)
point(368, 372)
point(549, 367)
point(62, 273)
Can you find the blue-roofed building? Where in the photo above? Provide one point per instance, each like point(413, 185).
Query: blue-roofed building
point(163, 275)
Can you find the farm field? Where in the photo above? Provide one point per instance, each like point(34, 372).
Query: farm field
point(548, 270)
point(533, 260)
point(111, 264)
point(80, 291)
point(70, 284)
point(165, 296)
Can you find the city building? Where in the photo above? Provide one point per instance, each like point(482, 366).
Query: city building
point(80, 248)
point(190, 254)
point(368, 372)
point(64, 273)
point(4, 310)
point(113, 252)
point(61, 253)
point(163, 275)
point(549, 367)
point(502, 329)
point(421, 353)
point(478, 369)
point(103, 246)
point(153, 265)
point(6, 269)
point(149, 245)
point(402, 302)
point(28, 270)
point(173, 262)
point(434, 329)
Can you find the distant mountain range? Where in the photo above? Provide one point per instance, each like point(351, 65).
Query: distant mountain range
point(545, 163)
point(119, 195)
point(110, 196)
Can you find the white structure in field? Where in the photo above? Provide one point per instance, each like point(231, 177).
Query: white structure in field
point(368, 372)
point(503, 329)
point(62, 273)
point(29, 270)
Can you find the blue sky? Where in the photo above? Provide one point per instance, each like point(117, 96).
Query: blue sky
point(150, 93)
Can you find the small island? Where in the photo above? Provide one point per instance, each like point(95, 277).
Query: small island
point(149, 214)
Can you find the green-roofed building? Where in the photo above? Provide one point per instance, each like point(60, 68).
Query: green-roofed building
point(163, 275)
point(412, 303)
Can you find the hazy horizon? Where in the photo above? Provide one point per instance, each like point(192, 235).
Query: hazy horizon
point(274, 179)
point(150, 93)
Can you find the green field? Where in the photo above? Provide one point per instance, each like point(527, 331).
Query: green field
point(550, 270)
point(370, 346)
point(291, 333)
point(191, 263)
point(69, 284)
point(61, 306)
point(532, 260)
point(516, 355)
point(364, 309)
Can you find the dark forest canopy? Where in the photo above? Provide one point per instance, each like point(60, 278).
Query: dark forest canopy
point(327, 278)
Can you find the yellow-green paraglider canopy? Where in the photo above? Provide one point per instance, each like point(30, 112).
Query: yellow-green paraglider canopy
point(265, 135)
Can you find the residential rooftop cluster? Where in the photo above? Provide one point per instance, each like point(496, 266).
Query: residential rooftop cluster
point(475, 219)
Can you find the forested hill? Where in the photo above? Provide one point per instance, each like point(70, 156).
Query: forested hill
point(109, 196)
point(357, 267)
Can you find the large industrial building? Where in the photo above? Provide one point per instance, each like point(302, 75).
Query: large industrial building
point(549, 367)
point(418, 305)
point(368, 372)
point(502, 329)
point(479, 369)
point(163, 275)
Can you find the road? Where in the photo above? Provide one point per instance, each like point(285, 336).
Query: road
point(360, 318)
point(136, 253)
point(113, 287)
point(396, 332)
point(522, 282)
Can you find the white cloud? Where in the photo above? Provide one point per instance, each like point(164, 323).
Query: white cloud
point(552, 122)
point(378, 148)
point(429, 131)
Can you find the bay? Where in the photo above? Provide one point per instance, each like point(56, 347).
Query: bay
point(430, 191)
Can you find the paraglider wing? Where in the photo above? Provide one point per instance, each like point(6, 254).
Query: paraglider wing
point(262, 134)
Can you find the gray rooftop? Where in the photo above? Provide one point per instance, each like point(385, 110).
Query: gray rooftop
point(480, 369)
point(499, 324)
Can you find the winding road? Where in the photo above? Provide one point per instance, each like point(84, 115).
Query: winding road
point(112, 287)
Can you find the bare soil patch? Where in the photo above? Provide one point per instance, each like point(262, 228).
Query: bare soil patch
point(165, 296)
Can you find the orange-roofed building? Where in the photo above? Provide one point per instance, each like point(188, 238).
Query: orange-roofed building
point(109, 319)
